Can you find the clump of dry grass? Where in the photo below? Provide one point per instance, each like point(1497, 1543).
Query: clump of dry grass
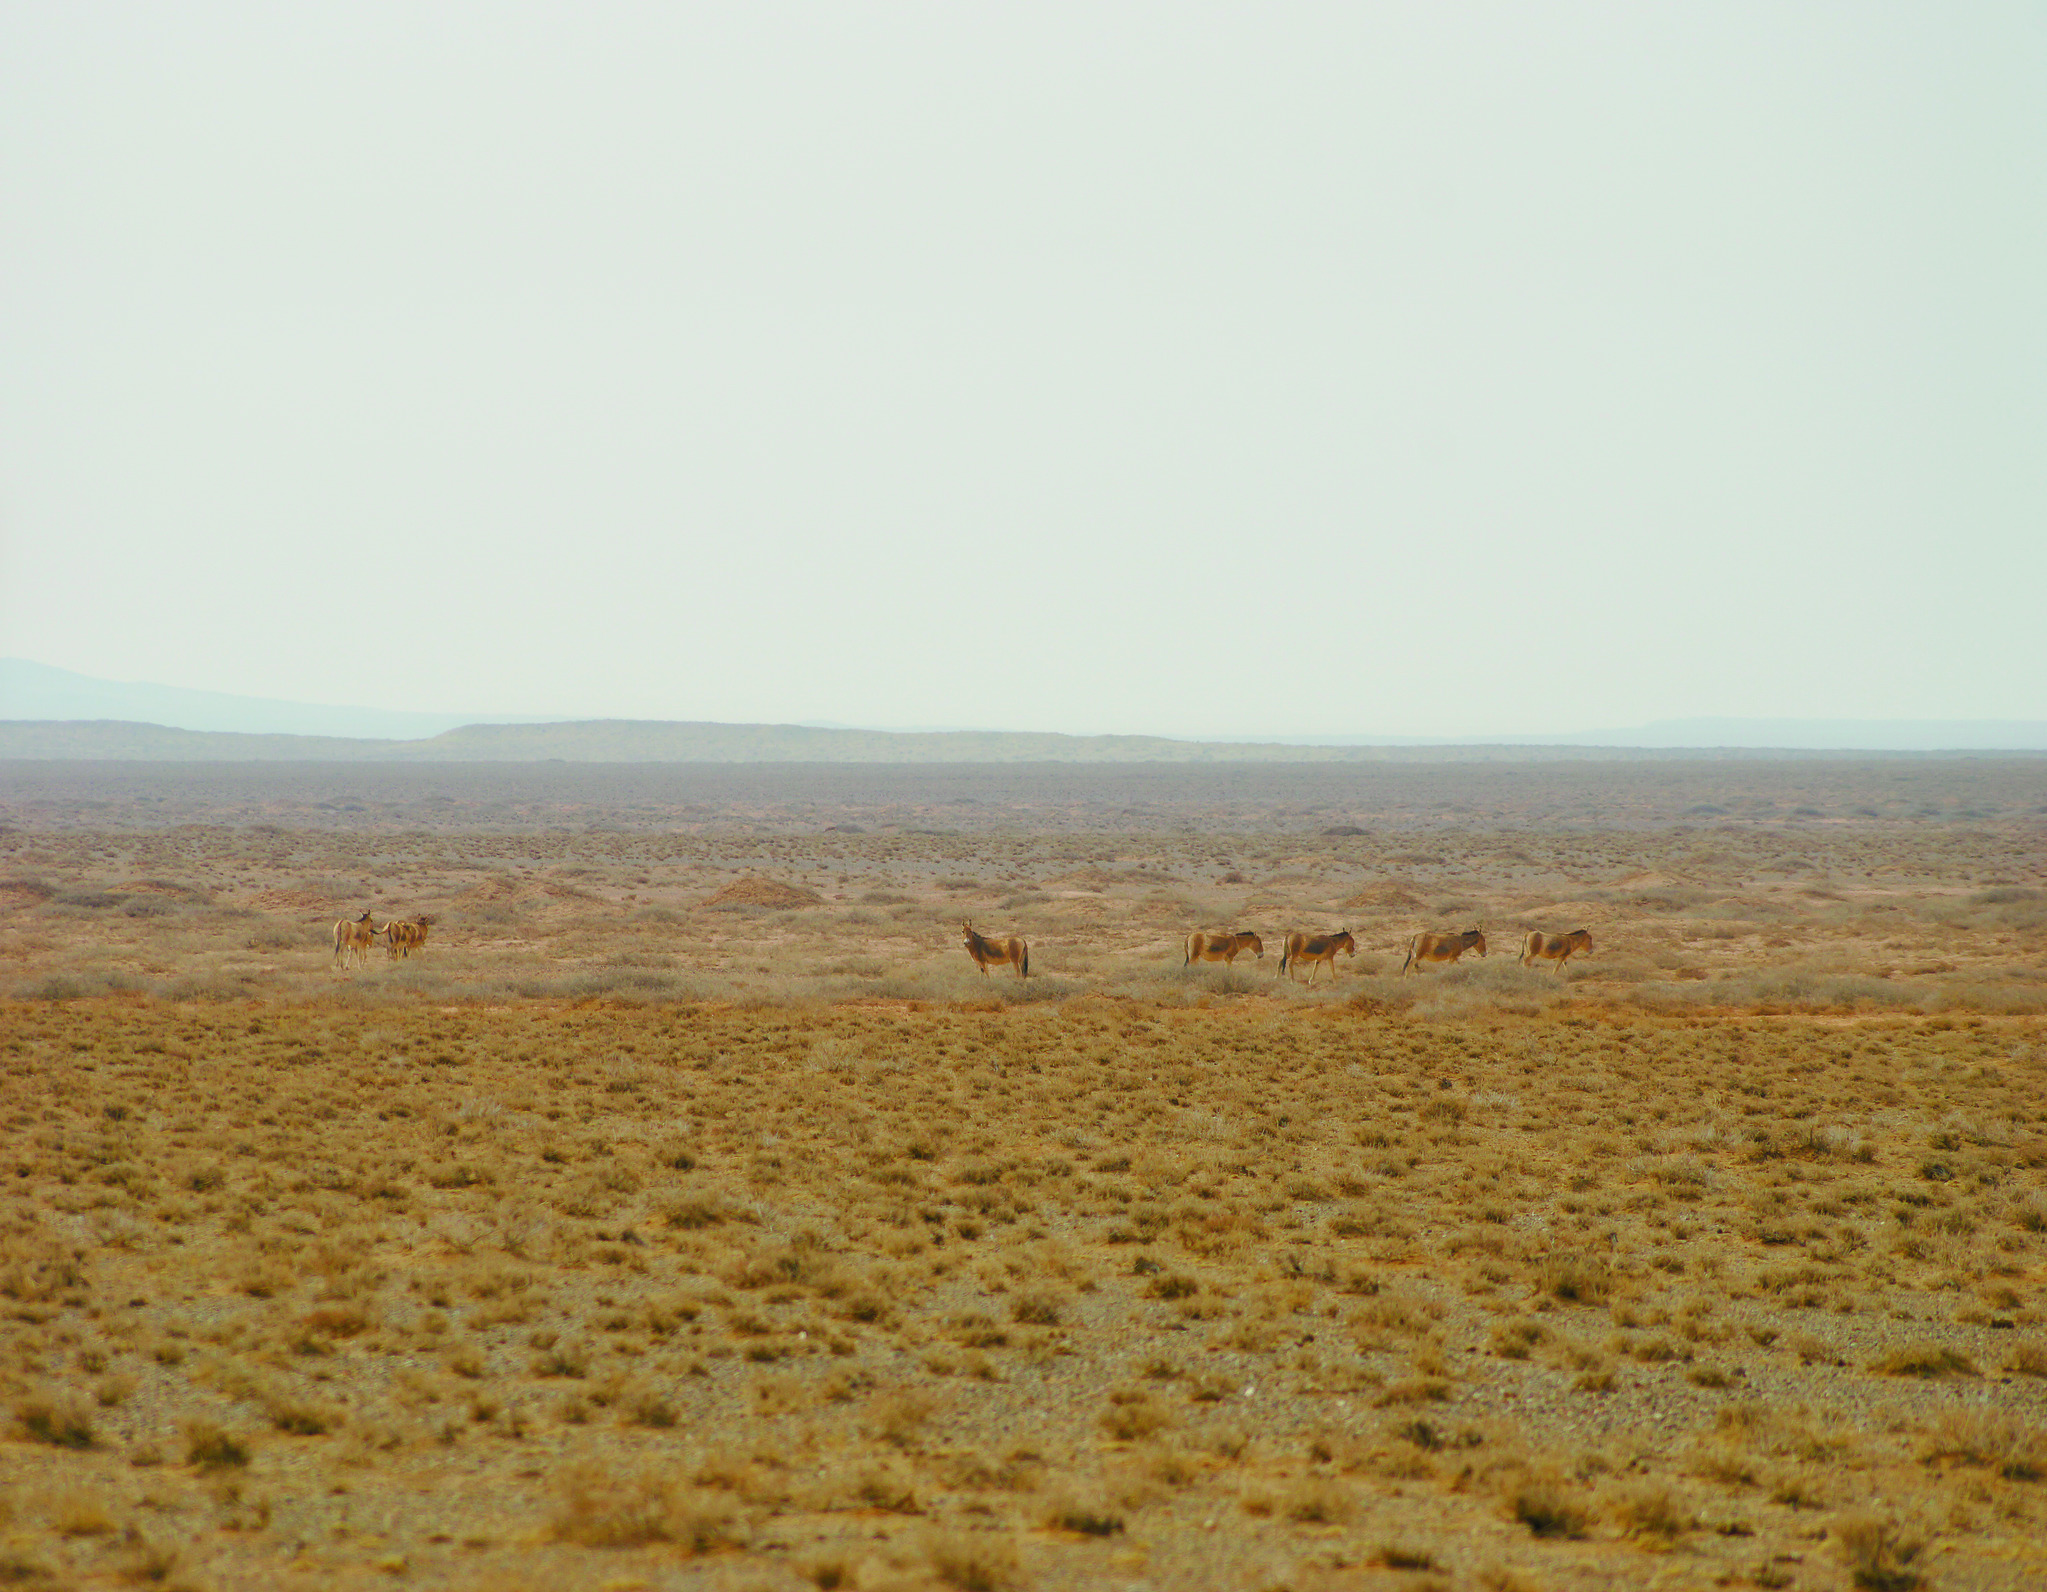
point(78, 1511)
point(1037, 1308)
point(60, 1421)
point(1134, 1414)
point(1320, 1501)
point(898, 1418)
point(1575, 1279)
point(1516, 1339)
point(1086, 1513)
point(604, 1508)
point(1548, 1508)
point(211, 1447)
point(303, 1417)
point(973, 1561)
point(1653, 1512)
point(1992, 1439)
point(1880, 1556)
point(1924, 1359)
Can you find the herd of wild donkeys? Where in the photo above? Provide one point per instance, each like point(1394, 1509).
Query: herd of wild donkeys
point(1317, 950)
point(353, 938)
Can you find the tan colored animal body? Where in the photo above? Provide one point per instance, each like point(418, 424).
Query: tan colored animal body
point(1557, 947)
point(1442, 948)
point(353, 938)
point(1205, 947)
point(406, 937)
point(1318, 950)
point(985, 950)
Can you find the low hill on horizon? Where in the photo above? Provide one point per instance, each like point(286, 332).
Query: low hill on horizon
point(666, 741)
point(58, 702)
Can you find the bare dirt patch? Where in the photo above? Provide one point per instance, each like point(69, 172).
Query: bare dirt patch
point(758, 892)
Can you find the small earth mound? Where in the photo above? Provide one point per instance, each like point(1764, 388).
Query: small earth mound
point(495, 888)
point(299, 900)
point(1344, 829)
point(1388, 895)
point(757, 892)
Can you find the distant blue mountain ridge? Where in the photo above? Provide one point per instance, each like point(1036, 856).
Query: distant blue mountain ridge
point(36, 691)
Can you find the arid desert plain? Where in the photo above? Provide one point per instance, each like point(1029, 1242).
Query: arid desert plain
point(689, 1212)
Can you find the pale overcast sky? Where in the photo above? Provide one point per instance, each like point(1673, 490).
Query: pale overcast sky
point(1424, 369)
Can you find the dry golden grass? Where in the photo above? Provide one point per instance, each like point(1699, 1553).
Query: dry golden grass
point(632, 1237)
point(1041, 1284)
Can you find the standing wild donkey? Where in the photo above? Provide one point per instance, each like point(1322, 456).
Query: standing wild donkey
point(984, 950)
point(353, 938)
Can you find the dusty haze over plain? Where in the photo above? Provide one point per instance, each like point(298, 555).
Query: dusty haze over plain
point(1186, 370)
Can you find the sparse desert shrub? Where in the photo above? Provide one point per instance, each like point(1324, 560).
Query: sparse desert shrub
point(273, 934)
point(335, 1321)
point(18, 1569)
point(212, 1448)
point(898, 1417)
point(303, 1417)
point(1924, 1359)
point(887, 1485)
point(692, 1212)
point(973, 1561)
point(602, 1509)
point(1547, 1509)
point(59, 1421)
point(1879, 1555)
point(1652, 1512)
point(1992, 1440)
point(1133, 1415)
point(563, 1360)
point(1320, 1501)
point(1513, 1340)
point(266, 1279)
point(91, 900)
point(78, 1512)
point(147, 1563)
point(1088, 1514)
point(829, 1572)
point(651, 1410)
point(1577, 1279)
point(1037, 1309)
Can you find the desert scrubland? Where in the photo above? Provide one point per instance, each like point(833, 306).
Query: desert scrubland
point(689, 1212)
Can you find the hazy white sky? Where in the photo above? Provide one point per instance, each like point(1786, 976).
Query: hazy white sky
point(1428, 369)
